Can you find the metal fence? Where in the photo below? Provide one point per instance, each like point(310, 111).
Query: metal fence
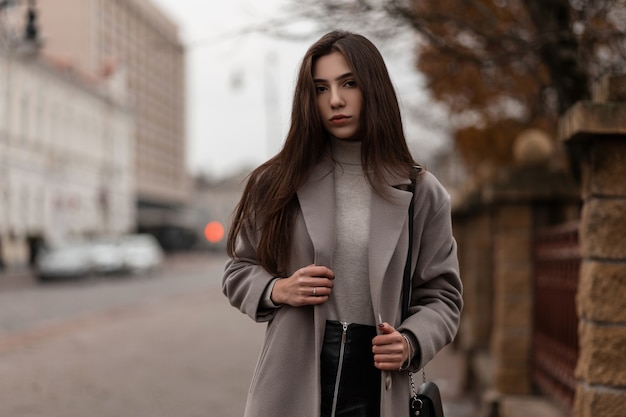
point(555, 338)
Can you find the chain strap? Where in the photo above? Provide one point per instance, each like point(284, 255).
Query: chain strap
point(416, 403)
point(413, 389)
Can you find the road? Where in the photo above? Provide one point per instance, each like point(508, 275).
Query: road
point(163, 345)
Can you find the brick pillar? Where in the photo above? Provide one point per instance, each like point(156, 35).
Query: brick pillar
point(473, 234)
point(512, 303)
point(598, 130)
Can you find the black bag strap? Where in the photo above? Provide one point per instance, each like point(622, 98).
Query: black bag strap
point(406, 280)
point(428, 390)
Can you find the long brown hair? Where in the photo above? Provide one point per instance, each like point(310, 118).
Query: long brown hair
point(269, 203)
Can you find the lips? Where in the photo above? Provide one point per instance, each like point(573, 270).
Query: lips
point(339, 119)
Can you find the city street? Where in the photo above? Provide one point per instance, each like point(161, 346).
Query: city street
point(162, 345)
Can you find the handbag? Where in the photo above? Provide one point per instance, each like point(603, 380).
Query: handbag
point(425, 401)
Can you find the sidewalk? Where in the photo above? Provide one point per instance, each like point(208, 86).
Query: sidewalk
point(11, 278)
point(448, 371)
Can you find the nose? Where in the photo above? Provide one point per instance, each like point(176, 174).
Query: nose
point(336, 100)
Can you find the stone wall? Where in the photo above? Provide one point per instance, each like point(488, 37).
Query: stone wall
point(597, 130)
point(494, 225)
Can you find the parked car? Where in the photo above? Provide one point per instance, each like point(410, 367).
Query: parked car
point(141, 252)
point(135, 253)
point(107, 256)
point(69, 260)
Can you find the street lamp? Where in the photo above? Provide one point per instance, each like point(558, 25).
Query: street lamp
point(29, 41)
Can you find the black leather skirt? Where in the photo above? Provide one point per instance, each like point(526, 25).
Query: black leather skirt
point(350, 381)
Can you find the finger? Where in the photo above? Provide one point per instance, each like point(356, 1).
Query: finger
point(321, 291)
point(310, 282)
point(393, 348)
point(395, 357)
point(387, 366)
point(309, 298)
point(386, 339)
point(385, 328)
point(318, 300)
point(394, 360)
point(383, 344)
point(319, 271)
point(317, 295)
point(323, 282)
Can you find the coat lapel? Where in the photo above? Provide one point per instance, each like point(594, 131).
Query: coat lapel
point(317, 203)
point(387, 223)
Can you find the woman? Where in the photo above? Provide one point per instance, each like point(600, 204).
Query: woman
point(319, 242)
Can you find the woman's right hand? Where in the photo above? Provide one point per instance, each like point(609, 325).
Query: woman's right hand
point(310, 285)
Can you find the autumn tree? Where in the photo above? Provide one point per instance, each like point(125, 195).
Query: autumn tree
point(498, 66)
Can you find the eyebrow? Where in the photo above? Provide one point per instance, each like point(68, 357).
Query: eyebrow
point(341, 77)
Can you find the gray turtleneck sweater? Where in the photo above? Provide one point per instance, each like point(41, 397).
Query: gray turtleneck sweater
point(351, 299)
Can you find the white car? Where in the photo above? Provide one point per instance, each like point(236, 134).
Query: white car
point(70, 260)
point(140, 252)
point(107, 257)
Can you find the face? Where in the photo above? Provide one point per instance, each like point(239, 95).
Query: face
point(339, 98)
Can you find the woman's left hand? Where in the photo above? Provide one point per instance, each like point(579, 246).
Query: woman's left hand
point(390, 349)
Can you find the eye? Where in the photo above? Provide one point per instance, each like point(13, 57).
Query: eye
point(320, 88)
point(350, 83)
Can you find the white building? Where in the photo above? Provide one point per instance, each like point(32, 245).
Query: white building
point(66, 154)
point(139, 35)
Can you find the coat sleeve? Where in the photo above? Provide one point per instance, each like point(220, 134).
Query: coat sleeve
point(436, 294)
point(245, 281)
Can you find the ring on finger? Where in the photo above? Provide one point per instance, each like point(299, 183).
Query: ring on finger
point(314, 291)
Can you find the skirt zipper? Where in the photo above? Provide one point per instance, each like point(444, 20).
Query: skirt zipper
point(344, 337)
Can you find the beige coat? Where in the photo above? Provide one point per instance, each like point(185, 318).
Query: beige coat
point(286, 382)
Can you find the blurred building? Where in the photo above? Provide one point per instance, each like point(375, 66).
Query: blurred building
point(66, 151)
point(134, 33)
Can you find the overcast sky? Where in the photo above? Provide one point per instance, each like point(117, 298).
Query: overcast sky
point(240, 87)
